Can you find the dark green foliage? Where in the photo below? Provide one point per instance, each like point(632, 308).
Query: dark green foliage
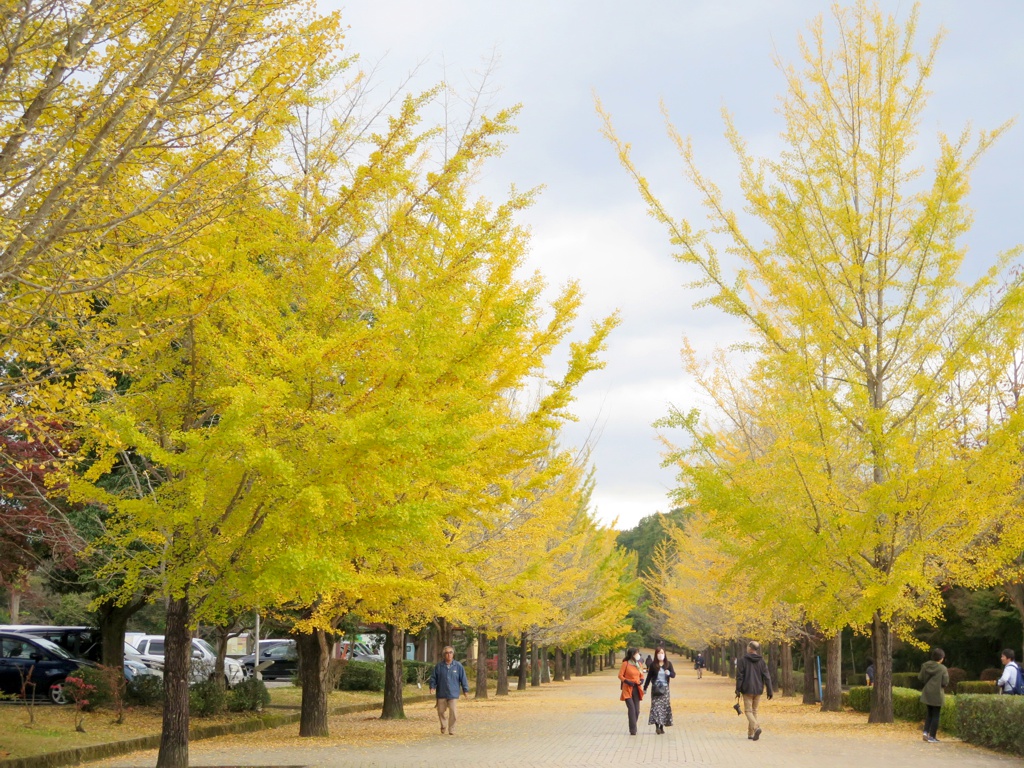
point(907, 680)
point(852, 679)
point(992, 721)
point(956, 676)
point(145, 691)
point(858, 698)
point(646, 535)
point(990, 674)
point(248, 696)
point(976, 687)
point(362, 676)
point(206, 698)
point(413, 669)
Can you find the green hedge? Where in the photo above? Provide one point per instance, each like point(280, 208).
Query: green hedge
point(907, 680)
point(976, 687)
point(362, 676)
point(906, 705)
point(858, 698)
point(856, 679)
point(992, 721)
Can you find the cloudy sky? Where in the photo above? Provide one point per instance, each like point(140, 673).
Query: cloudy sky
point(698, 57)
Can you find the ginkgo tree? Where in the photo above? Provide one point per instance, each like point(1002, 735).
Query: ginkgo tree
point(878, 354)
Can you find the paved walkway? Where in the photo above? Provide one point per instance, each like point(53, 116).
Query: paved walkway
point(581, 723)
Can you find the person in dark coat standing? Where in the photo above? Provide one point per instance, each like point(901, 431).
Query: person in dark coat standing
point(752, 680)
point(658, 675)
point(935, 677)
point(699, 665)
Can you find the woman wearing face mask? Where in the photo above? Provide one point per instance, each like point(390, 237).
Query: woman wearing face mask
point(631, 674)
point(658, 675)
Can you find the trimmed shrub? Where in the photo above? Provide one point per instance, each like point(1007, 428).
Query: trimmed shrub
point(976, 687)
point(956, 676)
point(335, 669)
point(414, 669)
point(907, 680)
point(906, 704)
point(362, 676)
point(991, 674)
point(206, 698)
point(947, 717)
point(145, 690)
point(859, 698)
point(249, 696)
point(97, 682)
point(991, 721)
point(856, 679)
point(798, 682)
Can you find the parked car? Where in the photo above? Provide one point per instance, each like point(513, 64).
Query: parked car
point(36, 659)
point(84, 643)
point(204, 659)
point(283, 657)
point(365, 652)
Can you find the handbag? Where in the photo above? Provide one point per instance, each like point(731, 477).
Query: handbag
point(660, 688)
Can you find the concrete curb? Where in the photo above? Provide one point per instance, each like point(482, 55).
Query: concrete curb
point(116, 748)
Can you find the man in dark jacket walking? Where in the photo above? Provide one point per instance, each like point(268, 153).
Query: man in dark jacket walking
point(752, 680)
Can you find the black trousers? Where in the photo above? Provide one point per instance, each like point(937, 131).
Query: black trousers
point(931, 720)
point(633, 709)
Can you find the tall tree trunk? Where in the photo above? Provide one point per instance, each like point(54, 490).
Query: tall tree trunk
point(545, 668)
point(567, 665)
point(502, 688)
point(481, 666)
point(577, 657)
point(444, 636)
point(832, 700)
point(113, 620)
point(807, 654)
point(881, 691)
point(786, 652)
point(559, 676)
point(394, 673)
point(14, 605)
point(534, 664)
point(313, 660)
point(734, 654)
point(177, 665)
point(523, 651)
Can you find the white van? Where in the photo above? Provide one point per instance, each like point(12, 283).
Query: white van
point(204, 659)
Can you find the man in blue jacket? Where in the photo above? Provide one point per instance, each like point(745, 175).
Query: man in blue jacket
point(448, 679)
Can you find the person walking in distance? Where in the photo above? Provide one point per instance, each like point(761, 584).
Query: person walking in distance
point(631, 674)
point(752, 680)
point(658, 675)
point(698, 664)
point(448, 679)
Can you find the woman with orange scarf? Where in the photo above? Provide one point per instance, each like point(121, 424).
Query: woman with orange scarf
point(632, 677)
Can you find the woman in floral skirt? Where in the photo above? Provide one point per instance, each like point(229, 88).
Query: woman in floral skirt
point(659, 674)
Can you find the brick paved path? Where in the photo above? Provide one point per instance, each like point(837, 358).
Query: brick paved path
point(581, 723)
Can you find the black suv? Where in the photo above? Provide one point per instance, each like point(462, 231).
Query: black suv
point(36, 661)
